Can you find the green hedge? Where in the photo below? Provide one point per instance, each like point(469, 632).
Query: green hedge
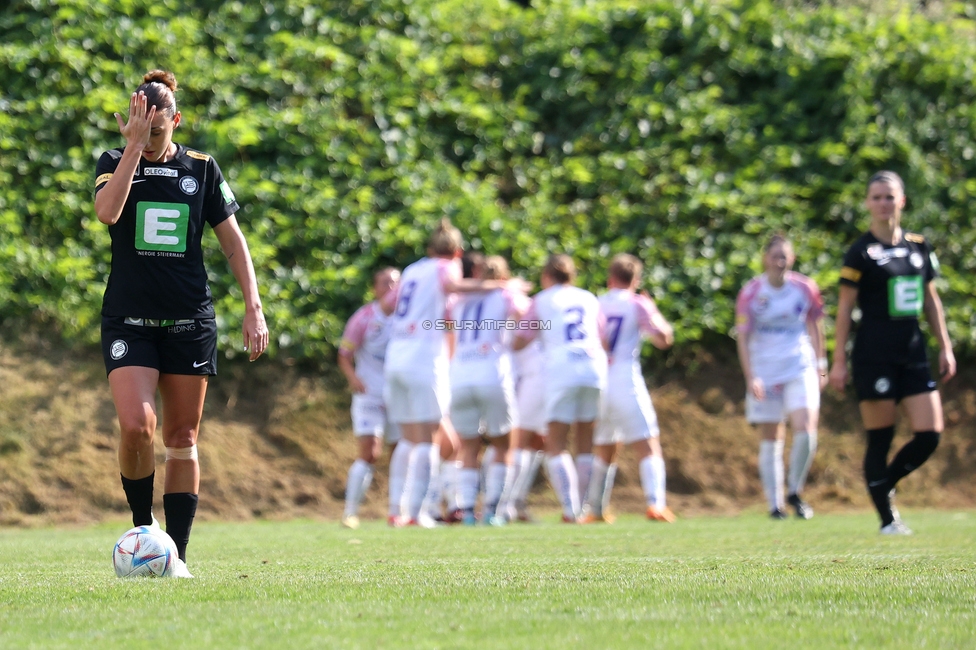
point(684, 131)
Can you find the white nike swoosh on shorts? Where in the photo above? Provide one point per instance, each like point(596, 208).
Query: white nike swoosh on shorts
point(200, 364)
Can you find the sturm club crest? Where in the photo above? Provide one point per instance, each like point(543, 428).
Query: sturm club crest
point(118, 349)
point(882, 386)
point(189, 185)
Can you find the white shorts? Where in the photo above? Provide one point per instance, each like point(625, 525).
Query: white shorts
point(477, 408)
point(570, 404)
point(801, 392)
point(412, 398)
point(531, 400)
point(369, 418)
point(626, 417)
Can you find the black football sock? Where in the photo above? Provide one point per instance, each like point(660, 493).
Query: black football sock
point(180, 509)
point(912, 455)
point(876, 471)
point(139, 494)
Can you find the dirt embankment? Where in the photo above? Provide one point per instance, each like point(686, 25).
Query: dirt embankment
point(276, 443)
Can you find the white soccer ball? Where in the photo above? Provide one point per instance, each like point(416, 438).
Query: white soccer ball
point(144, 551)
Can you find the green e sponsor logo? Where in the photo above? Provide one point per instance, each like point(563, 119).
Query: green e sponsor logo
point(161, 226)
point(905, 296)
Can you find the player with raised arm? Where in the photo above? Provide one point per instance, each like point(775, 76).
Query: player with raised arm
point(482, 388)
point(627, 415)
point(417, 389)
point(779, 320)
point(569, 322)
point(159, 331)
point(361, 356)
point(889, 274)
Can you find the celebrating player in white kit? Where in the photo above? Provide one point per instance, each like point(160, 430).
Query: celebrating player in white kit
point(779, 318)
point(417, 390)
point(528, 434)
point(482, 387)
point(364, 344)
point(627, 415)
point(571, 326)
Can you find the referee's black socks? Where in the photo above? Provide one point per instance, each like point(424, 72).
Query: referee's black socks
point(139, 494)
point(876, 471)
point(180, 508)
point(912, 455)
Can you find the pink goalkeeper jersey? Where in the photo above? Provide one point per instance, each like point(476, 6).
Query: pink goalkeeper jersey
point(629, 318)
point(416, 342)
point(775, 319)
point(571, 327)
point(364, 339)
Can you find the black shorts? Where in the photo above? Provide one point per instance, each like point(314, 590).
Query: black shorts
point(184, 347)
point(874, 381)
point(890, 361)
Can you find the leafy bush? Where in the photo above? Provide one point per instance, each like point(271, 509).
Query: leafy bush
point(683, 131)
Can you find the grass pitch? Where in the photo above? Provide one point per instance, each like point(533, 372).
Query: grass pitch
point(743, 582)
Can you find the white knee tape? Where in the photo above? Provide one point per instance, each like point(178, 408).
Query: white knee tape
point(181, 453)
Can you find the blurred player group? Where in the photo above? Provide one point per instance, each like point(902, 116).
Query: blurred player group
point(568, 361)
point(520, 373)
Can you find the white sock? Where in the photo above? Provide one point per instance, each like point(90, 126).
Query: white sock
point(432, 499)
point(417, 481)
point(801, 457)
point(538, 458)
point(598, 483)
point(659, 494)
point(487, 458)
point(449, 483)
point(584, 467)
point(468, 478)
point(494, 486)
point(511, 481)
point(398, 474)
point(562, 475)
point(357, 482)
point(608, 487)
point(647, 478)
point(771, 472)
point(521, 463)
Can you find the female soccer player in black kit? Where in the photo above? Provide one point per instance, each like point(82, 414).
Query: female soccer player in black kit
point(888, 273)
point(158, 328)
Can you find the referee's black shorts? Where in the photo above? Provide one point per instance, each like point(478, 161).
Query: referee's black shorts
point(176, 347)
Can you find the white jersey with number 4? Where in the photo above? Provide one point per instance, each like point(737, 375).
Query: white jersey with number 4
point(775, 319)
point(570, 325)
point(417, 344)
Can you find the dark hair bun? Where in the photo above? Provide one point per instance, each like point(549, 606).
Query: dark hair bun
point(164, 77)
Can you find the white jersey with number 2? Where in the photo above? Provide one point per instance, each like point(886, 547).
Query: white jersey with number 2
point(570, 325)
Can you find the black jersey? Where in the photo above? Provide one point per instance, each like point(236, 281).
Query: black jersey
point(157, 261)
point(890, 280)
